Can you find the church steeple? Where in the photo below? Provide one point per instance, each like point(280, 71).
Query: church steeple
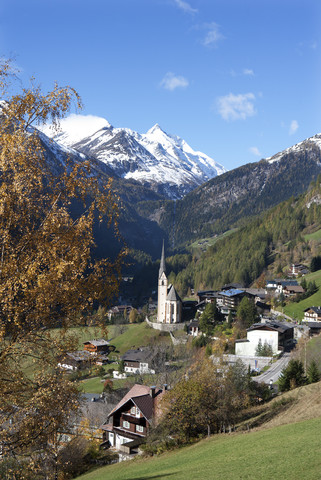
point(162, 267)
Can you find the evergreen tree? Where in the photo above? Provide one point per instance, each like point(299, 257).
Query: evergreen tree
point(313, 372)
point(292, 376)
point(247, 313)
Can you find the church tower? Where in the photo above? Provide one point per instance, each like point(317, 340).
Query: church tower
point(169, 307)
point(162, 289)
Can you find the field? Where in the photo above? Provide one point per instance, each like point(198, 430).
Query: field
point(313, 236)
point(133, 336)
point(288, 452)
point(204, 243)
point(295, 310)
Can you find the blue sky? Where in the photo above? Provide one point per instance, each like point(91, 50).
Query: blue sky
point(238, 79)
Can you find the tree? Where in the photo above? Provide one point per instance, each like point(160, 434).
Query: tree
point(313, 373)
point(206, 320)
point(292, 376)
point(133, 316)
point(205, 401)
point(315, 263)
point(48, 274)
point(247, 313)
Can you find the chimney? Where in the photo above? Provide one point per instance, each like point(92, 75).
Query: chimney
point(152, 391)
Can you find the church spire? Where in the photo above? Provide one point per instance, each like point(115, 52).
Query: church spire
point(162, 267)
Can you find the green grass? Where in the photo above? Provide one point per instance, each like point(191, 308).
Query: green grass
point(296, 310)
point(288, 452)
point(313, 236)
point(137, 335)
point(204, 243)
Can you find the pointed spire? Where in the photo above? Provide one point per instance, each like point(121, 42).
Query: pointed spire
point(162, 267)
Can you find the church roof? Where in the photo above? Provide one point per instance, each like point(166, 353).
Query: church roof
point(173, 295)
point(162, 267)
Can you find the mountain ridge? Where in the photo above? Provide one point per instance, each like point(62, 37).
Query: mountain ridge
point(163, 162)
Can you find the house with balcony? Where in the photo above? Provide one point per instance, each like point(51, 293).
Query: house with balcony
point(129, 422)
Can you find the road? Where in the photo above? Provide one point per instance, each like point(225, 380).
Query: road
point(274, 371)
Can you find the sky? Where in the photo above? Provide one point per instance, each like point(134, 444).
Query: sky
point(238, 79)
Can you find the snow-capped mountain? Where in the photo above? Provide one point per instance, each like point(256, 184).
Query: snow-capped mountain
point(308, 145)
point(164, 162)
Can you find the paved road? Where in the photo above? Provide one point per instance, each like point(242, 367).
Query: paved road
point(274, 371)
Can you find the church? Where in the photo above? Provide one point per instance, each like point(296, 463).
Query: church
point(169, 307)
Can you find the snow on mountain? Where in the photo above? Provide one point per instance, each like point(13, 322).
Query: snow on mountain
point(306, 145)
point(164, 162)
point(74, 128)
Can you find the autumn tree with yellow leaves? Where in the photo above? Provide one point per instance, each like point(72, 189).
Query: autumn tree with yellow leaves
point(48, 275)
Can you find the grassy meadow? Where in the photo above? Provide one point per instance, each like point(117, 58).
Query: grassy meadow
point(290, 452)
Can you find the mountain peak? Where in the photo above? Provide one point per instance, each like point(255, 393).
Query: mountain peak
point(156, 128)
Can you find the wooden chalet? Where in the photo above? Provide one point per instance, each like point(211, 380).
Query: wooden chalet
point(129, 422)
point(99, 346)
point(312, 314)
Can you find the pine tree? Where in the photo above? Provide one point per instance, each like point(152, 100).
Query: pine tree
point(313, 373)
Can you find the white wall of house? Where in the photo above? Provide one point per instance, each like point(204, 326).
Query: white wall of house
point(120, 440)
point(249, 348)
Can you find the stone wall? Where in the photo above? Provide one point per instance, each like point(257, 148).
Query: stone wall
point(165, 327)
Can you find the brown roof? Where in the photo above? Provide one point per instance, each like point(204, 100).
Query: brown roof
point(136, 391)
point(294, 288)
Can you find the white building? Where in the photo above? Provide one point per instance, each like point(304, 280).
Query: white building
point(275, 334)
point(169, 306)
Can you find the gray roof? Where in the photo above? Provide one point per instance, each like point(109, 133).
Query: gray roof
point(139, 355)
point(98, 343)
point(172, 295)
point(278, 326)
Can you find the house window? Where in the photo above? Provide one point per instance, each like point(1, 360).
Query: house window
point(133, 410)
point(126, 424)
point(139, 428)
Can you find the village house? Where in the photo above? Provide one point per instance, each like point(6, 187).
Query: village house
point(292, 290)
point(138, 361)
point(275, 334)
point(282, 284)
point(193, 328)
point(229, 300)
point(312, 314)
point(119, 311)
point(129, 422)
point(298, 269)
point(94, 352)
point(100, 346)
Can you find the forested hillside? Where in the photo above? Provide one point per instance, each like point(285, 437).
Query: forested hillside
point(272, 241)
point(226, 200)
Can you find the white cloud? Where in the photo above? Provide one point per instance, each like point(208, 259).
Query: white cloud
point(255, 151)
point(248, 71)
point(78, 126)
point(293, 127)
point(236, 107)
point(186, 7)
point(172, 81)
point(213, 35)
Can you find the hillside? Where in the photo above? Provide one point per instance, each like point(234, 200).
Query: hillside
point(272, 241)
point(224, 201)
point(288, 449)
point(296, 310)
